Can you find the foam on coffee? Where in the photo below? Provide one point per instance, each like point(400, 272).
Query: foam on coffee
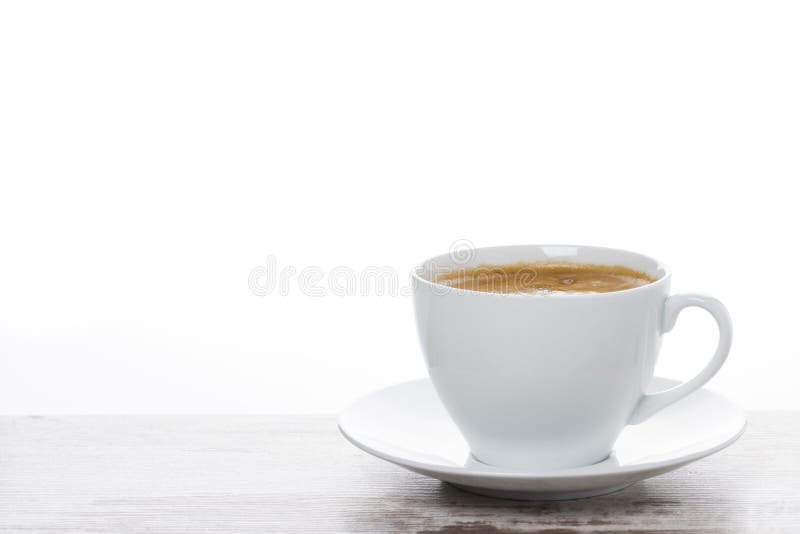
point(545, 277)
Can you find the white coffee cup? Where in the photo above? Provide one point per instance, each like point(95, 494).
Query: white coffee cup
point(538, 382)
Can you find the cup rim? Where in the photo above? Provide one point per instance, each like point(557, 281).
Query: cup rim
point(449, 290)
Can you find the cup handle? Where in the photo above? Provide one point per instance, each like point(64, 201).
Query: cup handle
point(650, 404)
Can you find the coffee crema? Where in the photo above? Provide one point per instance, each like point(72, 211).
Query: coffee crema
point(545, 277)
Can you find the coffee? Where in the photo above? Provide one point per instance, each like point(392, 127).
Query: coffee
point(545, 277)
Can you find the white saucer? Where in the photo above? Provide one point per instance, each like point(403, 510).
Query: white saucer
point(407, 425)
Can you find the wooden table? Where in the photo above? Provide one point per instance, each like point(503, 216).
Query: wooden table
point(265, 474)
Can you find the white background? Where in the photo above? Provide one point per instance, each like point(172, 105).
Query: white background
point(153, 153)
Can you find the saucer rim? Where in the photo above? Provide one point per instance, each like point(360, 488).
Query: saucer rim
point(579, 472)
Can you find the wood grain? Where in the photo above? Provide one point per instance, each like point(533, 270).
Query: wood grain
point(250, 474)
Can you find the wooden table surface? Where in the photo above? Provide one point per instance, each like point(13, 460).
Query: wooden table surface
point(265, 474)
